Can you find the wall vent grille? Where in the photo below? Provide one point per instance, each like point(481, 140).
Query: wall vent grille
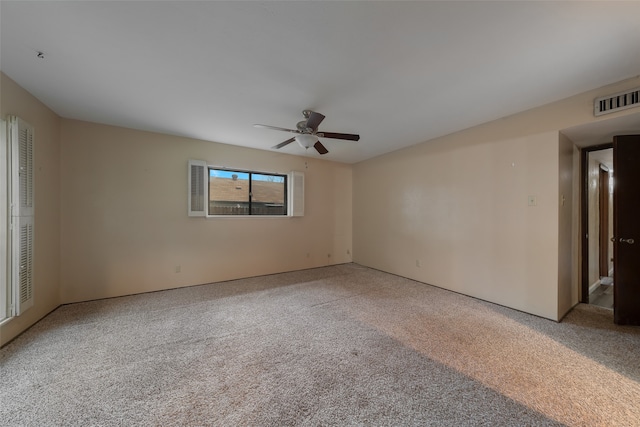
point(616, 102)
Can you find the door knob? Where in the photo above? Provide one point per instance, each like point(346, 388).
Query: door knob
point(629, 241)
point(613, 239)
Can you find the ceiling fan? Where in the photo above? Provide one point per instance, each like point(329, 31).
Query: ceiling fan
point(307, 133)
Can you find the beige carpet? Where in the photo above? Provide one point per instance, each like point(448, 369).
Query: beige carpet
point(342, 345)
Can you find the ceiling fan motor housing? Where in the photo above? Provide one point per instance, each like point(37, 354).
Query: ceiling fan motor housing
point(302, 127)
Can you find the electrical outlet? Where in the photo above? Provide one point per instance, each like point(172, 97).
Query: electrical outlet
point(348, 252)
point(178, 269)
point(532, 201)
point(418, 264)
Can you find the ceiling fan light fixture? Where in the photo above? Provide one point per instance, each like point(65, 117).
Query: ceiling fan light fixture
point(306, 140)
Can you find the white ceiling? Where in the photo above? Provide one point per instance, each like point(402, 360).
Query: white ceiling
point(397, 73)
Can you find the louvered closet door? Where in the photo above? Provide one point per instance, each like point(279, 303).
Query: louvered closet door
point(25, 171)
point(4, 229)
point(24, 267)
point(22, 220)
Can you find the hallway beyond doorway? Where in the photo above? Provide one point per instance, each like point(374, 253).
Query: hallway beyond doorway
point(602, 296)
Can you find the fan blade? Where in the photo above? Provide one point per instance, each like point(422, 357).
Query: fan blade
point(347, 136)
point(282, 144)
point(314, 120)
point(276, 128)
point(321, 149)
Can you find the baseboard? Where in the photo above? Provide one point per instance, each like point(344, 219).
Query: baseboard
point(594, 286)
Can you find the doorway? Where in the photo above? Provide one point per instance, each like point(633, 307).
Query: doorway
point(598, 135)
point(598, 279)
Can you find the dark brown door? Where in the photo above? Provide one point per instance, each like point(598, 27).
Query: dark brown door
point(626, 229)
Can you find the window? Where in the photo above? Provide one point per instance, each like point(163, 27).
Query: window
point(234, 192)
point(215, 191)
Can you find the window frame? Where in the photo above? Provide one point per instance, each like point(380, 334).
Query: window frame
point(285, 204)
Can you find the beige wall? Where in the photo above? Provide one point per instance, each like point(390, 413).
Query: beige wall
point(16, 101)
point(458, 206)
point(460, 210)
point(125, 227)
